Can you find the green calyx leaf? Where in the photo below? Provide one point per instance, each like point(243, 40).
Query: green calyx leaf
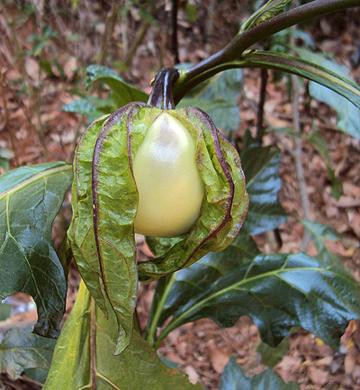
point(30, 198)
point(107, 201)
point(90, 338)
point(104, 208)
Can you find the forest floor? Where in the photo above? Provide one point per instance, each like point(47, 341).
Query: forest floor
point(34, 129)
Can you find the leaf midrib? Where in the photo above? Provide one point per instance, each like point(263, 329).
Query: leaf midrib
point(35, 178)
point(178, 321)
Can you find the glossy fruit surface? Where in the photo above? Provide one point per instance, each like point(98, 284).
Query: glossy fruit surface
point(167, 178)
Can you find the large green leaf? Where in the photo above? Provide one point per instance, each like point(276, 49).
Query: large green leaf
point(233, 378)
point(261, 168)
point(348, 116)
point(219, 98)
point(30, 198)
point(278, 291)
point(123, 92)
point(84, 356)
point(20, 349)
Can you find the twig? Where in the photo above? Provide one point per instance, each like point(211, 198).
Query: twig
point(109, 29)
point(209, 26)
point(174, 33)
point(298, 156)
point(260, 111)
point(141, 32)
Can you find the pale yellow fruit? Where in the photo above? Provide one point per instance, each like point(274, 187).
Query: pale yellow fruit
point(169, 185)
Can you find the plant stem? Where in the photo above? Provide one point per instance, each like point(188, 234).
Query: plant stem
point(139, 37)
point(93, 344)
point(260, 110)
point(109, 28)
point(243, 41)
point(174, 34)
point(298, 156)
point(155, 318)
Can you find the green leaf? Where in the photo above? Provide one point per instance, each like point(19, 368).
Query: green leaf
point(219, 98)
point(270, 9)
point(5, 311)
point(5, 156)
point(272, 356)
point(320, 144)
point(320, 233)
point(20, 349)
point(261, 168)
point(84, 107)
point(348, 116)
point(123, 92)
point(30, 198)
point(278, 291)
point(233, 378)
point(301, 67)
point(89, 339)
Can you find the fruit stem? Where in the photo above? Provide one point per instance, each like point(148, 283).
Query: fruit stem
point(161, 95)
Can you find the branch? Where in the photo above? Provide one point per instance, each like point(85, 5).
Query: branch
point(243, 41)
point(298, 156)
point(174, 37)
point(260, 110)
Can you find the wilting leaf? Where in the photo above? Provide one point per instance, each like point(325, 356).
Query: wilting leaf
point(233, 378)
point(89, 339)
point(348, 116)
point(304, 68)
point(30, 198)
point(261, 168)
point(219, 98)
point(123, 92)
point(278, 291)
point(270, 9)
point(20, 349)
